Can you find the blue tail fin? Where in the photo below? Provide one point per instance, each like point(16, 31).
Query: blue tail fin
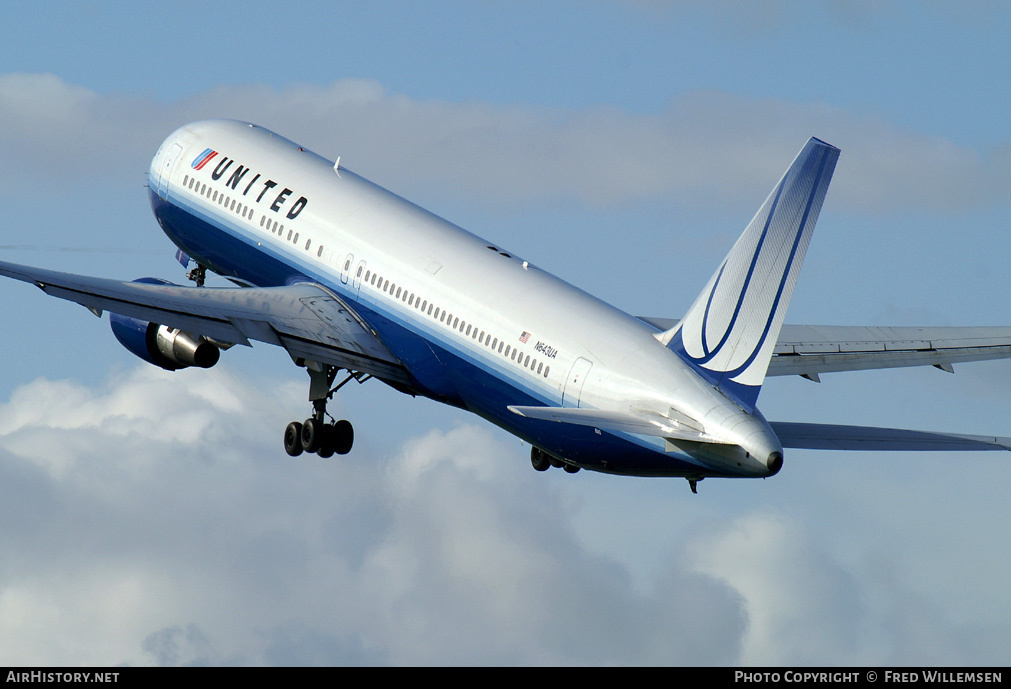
point(729, 333)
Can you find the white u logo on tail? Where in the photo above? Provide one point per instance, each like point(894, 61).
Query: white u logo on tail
point(729, 333)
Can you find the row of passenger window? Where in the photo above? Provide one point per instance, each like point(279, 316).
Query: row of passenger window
point(226, 201)
point(511, 352)
point(246, 212)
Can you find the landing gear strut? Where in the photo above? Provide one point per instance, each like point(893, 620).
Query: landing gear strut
point(198, 275)
point(315, 435)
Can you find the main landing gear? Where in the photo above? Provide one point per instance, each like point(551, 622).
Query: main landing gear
point(542, 461)
point(315, 435)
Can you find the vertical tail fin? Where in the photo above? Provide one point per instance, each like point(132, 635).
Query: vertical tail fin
point(729, 333)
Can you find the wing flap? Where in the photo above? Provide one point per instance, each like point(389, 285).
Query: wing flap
point(308, 320)
point(818, 436)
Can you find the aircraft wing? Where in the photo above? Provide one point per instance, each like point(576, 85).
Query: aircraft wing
point(306, 319)
point(808, 350)
point(820, 436)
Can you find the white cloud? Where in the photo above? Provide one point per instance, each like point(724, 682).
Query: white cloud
point(704, 148)
point(173, 529)
point(155, 519)
point(787, 585)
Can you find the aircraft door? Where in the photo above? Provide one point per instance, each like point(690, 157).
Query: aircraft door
point(356, 284)
point(165, 169)
point(574, 383)
point(346, 268)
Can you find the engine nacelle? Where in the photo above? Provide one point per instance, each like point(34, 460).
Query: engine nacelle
point(169, 348)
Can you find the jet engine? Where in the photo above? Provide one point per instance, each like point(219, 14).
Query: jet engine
point(161, 345)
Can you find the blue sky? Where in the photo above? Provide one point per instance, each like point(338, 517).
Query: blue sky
point(151, 518)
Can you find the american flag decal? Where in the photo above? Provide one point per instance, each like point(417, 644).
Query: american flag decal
point(524, 337)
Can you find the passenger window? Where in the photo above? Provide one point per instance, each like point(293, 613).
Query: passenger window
point(307, 243)
point(540, 367)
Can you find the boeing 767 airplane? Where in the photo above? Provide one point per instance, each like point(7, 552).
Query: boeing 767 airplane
point(355, 283)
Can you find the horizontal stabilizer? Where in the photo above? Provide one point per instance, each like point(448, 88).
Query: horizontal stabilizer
point(640, 422)
point(817, 436)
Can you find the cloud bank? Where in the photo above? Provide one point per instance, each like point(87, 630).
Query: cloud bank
point(155, 520)
point(703, 148)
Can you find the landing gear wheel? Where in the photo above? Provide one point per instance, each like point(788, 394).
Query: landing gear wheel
point(571, 468)
point(326, 450)
point(313, 432)
point(342, 437)
point(293, 439)
point(539, 460)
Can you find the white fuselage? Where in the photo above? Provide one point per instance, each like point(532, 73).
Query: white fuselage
point(476, 325)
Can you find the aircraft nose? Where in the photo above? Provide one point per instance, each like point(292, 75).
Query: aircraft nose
point(775, 463)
